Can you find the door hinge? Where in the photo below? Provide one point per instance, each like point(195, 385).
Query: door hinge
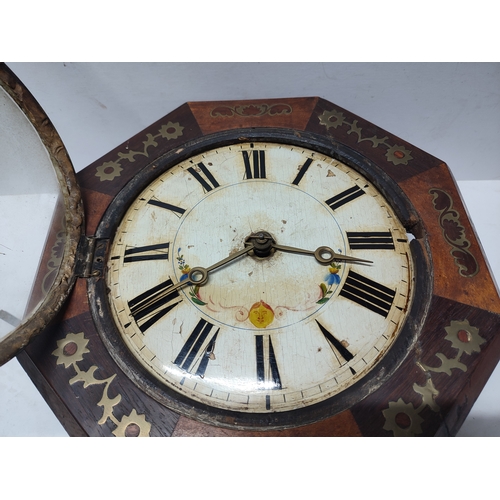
point(91, 257)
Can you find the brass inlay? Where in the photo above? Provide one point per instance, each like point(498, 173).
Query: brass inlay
point(251, 110)
point(454, 233)
point(71, 351)
point(111, 169)
point(396, 154)
point(463, 337)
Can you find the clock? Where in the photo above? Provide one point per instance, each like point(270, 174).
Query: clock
point(268, 267)
point(221, 287)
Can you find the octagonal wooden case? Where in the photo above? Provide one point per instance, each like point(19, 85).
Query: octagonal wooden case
point(442, 372)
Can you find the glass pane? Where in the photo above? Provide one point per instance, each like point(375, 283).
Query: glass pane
point(29, 194)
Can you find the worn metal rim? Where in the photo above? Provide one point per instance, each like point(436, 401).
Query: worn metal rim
point(20, 337)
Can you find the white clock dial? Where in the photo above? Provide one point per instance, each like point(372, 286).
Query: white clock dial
point(267, 334)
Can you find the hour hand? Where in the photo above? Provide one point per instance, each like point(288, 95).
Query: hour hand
point(324, 255)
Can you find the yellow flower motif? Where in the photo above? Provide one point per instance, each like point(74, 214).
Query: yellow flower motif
point(133, 425)
point(71, 349)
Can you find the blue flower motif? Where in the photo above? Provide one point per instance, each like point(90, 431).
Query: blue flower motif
point(332, 279)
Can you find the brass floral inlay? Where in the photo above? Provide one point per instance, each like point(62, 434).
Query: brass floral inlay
point(402, 418)
point(454, 233)
point(70, 351)
point(251, 110)
point(396, 154)
point(111, 169)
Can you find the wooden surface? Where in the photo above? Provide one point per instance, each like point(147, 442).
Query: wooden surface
point(431, 392)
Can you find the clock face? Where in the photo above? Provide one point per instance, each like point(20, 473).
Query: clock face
point(271, 332)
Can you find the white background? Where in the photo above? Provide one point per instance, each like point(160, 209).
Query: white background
point(451, 110)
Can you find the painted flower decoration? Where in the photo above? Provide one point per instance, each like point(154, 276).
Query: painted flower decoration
point(332, 278)
point(183, 267)
point(194, 291)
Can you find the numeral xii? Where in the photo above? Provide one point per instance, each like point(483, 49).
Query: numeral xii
point(255, 164)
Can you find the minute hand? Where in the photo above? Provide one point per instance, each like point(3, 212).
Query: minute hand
point(324, 255)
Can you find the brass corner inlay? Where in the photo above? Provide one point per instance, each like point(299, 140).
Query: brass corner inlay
point(108, 170)
point(395, 154)
point(454, 233)
point(70, 351)
point(403, 419)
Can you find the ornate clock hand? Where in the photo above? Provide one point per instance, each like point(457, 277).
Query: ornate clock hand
point(263, 243)
point(204, 271)
point(324, 255)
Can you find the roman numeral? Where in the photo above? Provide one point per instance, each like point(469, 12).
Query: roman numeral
point(345, 197)
point(255, 164)
point(166, 206)
point(198, 349)
point(268, 376)
point(370, 241)
point(368, 293)
point(302, 171)
point(149, 252)
point(337, 347)
point(208, 182)
point(151, 305)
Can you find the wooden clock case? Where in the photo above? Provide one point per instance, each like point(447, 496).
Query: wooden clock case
point(428, 383)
